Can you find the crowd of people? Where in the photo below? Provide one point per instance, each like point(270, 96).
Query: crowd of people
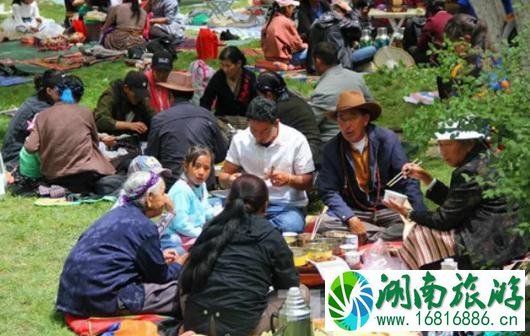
point(203, 263)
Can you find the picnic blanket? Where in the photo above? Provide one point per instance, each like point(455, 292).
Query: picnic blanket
point(19, 51)
point(13, 80)
point(70, 62)
point(132, 325)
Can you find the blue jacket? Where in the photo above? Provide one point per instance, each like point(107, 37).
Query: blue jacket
point(112, 259)
point(337, 184)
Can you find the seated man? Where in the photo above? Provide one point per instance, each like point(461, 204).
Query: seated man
point(161, 66)
point(280, 155)
point(174, 130)
point(293, 110)
point(334, 79)
point(356, 167)
point(124, 106)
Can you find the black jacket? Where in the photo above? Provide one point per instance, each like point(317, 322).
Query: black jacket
point(226, 104)
point(339, 31)
point(304, 17)
point(235, 294)
point(481, 224)
point(17, 131)
point(174, 130)
point(295, 112)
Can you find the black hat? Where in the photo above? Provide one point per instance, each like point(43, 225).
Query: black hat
point(162, 60)
point(137, 82)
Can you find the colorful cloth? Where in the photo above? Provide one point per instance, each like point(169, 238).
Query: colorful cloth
point(92, 326)
point(159, 96)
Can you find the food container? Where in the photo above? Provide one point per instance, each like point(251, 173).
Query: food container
point(395, 197)
point(299, 256)
point(353, 259)
point(318, 251)
point(336, 234)
point(304, 239)
point(290, 238)
point(333, 243)
point(345, 248)
point(352, 239)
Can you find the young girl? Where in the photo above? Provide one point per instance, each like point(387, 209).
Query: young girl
point(190, 201)
point(26, 20)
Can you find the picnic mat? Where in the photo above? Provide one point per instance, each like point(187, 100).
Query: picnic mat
point(18, 51)
point(132, 325)
point(69, 62)
point(13, 80)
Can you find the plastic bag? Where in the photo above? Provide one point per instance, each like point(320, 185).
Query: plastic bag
point(378, 258)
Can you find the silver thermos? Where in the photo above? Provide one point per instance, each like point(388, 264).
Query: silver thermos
point(294, 318)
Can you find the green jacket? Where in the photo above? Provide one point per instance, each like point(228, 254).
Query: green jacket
point(113, 106)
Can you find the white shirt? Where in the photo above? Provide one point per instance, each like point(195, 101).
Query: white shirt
point(359, 145)
point(288, 153)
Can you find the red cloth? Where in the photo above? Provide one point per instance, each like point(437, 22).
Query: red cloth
point(433, 31)
point(207, 45)
point(159, 96)
point(92, 326)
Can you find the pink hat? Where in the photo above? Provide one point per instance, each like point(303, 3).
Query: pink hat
point(285, 3)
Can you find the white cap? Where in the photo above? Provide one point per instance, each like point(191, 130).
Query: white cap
point(452, 132)
point(285, 3)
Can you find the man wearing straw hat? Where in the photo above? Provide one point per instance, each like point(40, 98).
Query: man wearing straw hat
point(357, 165)
point(174, 130)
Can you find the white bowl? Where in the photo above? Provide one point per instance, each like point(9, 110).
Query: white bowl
point(395, 197)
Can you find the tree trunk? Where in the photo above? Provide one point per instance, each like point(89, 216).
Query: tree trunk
point(493, 13)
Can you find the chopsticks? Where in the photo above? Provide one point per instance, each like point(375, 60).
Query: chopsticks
point(400, 176)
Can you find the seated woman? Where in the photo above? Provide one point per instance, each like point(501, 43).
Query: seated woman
point(190, 199)
point(475, 229)
point(25, 20)
point(166, 22)
point(310, 10)
point(469, 36)
point(117, 266)
point(17, 131)
point(232, 87)
point(235, 260)
point(280, 40)
point(66, 139)
point(127, 22)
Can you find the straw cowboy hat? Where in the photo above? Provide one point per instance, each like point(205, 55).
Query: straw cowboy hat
point(178, 81)
point(354, 101)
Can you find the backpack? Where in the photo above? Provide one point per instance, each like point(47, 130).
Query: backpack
point(200, 76)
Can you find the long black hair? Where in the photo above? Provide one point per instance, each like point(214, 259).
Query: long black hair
point(233, 54)
point(248, 195)
point(48, 79)
point(272, 12)
point(135, 8)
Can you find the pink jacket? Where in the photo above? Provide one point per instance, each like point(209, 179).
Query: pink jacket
point(280, 39)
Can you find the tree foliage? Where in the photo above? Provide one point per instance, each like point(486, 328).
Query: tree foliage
point(505, 112)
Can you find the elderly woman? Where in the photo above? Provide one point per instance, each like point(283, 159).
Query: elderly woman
point(467, 225)
point(117, 266)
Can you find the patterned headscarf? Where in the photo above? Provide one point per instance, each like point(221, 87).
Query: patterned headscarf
point(129, 196)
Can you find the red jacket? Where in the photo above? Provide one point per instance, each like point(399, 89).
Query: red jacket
point(159, 97)
point(433, 31)
point(280, 39)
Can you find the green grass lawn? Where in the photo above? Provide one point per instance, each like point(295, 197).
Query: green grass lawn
point(35, 241)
